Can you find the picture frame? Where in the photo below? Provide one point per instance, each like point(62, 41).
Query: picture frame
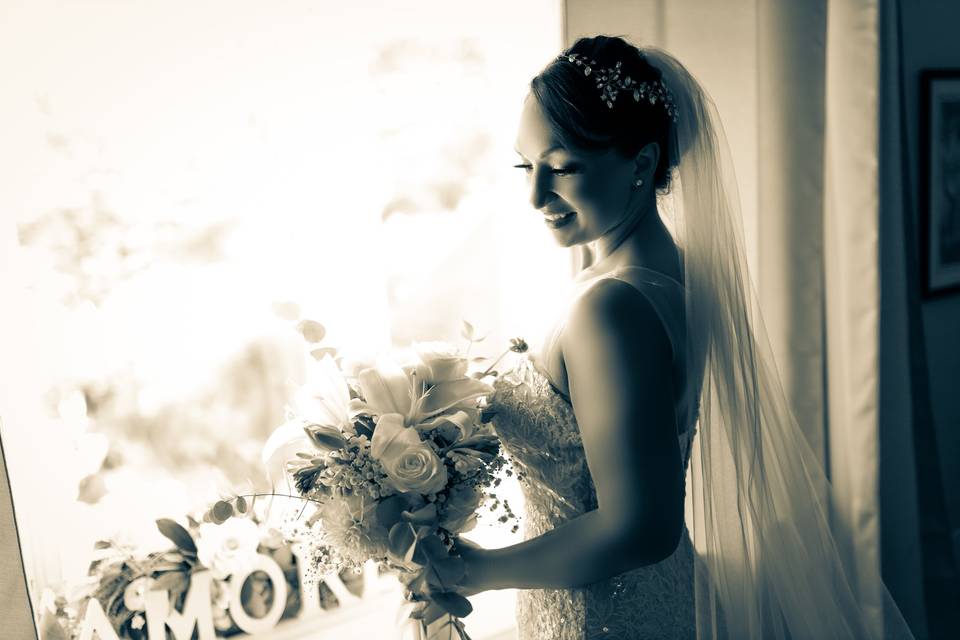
point(940, 181)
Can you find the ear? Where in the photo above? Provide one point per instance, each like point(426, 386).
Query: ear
point(646, 160)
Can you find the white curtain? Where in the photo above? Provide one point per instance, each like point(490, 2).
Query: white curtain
point(796, 85)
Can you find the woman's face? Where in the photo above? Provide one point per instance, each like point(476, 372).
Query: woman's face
point(596, 186)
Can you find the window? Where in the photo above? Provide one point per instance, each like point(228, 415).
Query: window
point(182, 184)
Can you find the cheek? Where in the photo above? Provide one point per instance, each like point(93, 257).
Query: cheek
point(599, 196)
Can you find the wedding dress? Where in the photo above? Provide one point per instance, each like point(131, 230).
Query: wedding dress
point(537, 426)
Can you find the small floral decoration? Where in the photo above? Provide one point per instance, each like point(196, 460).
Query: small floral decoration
point(611, 82)
point(120, 579)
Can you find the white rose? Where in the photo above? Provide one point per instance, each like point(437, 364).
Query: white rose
point(229, 548)
point(410, 464)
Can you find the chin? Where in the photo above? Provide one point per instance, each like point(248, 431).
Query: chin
point(573, 240)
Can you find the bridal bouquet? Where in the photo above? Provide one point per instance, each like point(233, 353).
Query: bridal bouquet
point(393, 458)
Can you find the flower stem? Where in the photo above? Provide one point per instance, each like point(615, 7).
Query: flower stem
point(278, 495)
point(487, 372)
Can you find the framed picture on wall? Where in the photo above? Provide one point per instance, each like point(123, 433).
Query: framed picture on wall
point(940, 180)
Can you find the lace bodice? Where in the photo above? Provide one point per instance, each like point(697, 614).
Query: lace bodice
point(539, 430)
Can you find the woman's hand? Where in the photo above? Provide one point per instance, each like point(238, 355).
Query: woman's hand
point(466, 548)
point(472, 582)
point(417, 590)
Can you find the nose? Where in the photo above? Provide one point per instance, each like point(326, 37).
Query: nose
point(540, 189)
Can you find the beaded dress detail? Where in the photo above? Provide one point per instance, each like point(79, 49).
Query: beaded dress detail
point(538, 428)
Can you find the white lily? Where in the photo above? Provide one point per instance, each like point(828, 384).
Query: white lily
point(323, 400)
point(388, 388)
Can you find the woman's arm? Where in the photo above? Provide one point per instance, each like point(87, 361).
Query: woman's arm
point(618, 360)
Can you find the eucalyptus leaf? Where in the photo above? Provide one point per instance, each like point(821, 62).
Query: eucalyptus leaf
point(177, 534)
point(434, 548)
point(453, 603)
point(446, 572)
point(432, 612)
point(222, 511)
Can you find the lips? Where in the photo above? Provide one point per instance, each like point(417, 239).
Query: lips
point(557, 220)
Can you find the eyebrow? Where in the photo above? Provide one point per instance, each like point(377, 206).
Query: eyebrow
point(556, 147)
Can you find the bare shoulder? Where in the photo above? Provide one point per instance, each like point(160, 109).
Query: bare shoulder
point(612, 315)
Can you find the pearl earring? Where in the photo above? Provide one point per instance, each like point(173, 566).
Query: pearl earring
point(638, 183)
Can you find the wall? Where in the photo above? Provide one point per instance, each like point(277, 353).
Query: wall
point(930, 41)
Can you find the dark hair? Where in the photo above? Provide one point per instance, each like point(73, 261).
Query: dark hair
point(579, 118)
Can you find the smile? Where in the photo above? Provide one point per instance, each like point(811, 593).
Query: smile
point(555, 220)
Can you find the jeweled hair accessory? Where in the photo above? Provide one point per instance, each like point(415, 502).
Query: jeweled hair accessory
point(611, 82)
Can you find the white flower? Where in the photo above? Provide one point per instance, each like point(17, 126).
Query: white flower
point(135, 593)
point(350, 526)
point(443, 361)
point(324, 398)
point(229, 548)
point(410, 464)
point(138, 621)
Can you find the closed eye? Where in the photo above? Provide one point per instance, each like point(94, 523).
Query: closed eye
point(560, 171)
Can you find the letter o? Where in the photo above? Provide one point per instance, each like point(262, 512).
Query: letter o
point(244, 620)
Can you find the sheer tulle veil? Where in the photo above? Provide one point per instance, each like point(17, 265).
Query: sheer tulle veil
point(759, 505)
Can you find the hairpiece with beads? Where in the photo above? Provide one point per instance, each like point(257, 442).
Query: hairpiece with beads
point(611, 82)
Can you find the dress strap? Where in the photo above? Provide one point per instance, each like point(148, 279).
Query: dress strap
point(667, 297)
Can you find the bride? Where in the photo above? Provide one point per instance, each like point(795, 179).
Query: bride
point(635, 528)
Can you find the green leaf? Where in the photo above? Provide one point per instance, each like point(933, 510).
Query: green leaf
point(424, 515)
point(102, 544)
point(453, 603)
point(177, 534)
point(389, 511)
point(434, 549)
point(169, 581)
point(445, 573)
point(402, 538)
point(431, 613)
point(311, 330)
point(467, 330)
point(241, 504)
point(221, 511)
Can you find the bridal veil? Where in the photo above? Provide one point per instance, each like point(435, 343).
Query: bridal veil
point(759, 505)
